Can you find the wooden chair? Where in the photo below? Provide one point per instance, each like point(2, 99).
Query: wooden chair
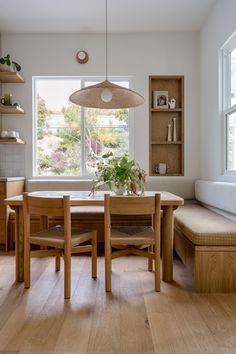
point(141, 241)
point(62, 240)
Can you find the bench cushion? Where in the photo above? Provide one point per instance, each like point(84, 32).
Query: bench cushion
point(205, 227)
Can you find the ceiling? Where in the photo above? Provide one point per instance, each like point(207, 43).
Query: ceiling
point(88, 16)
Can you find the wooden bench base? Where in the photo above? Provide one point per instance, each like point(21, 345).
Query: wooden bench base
point(214, 267)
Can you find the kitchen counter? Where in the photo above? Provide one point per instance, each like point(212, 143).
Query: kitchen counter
point(11, 179)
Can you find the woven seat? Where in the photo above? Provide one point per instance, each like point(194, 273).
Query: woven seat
point(55, 237)
point(132, 235)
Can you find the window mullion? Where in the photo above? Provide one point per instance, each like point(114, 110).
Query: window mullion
point(82, 132)
point(82, 146)
point(227, 79)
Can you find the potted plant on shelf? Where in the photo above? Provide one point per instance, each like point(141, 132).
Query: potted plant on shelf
point(120, 174)
point(6, 64)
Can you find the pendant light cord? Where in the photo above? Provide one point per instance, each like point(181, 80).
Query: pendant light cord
point(106, 44)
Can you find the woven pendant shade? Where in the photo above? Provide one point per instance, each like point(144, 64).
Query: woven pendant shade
point(121, 97)
point(106, 94)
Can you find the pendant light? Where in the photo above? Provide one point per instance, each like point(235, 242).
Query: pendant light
point(106, 94)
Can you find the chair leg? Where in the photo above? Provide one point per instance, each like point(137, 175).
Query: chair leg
point(67, 273)
point(94, 255)
point(150, 262)
point(157, 269)
point(108, 267)
point(27, 264)
point(58, 262)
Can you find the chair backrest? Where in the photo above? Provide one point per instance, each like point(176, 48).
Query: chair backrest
point(132, 205)
point(36, 205)
point(44, 206)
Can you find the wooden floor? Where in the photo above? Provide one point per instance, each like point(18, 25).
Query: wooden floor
point(131, 319)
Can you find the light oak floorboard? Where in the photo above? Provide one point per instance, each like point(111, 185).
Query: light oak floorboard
point(132, 319)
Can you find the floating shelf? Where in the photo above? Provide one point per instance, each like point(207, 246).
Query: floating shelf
point(11, 109)
point(166, 174)
point(157, 142)
point(169, 110)
point(11, 77)
point(11, 141)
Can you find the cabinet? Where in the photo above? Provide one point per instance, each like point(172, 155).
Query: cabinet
point(11, 77)
point(8, 189)
point(164, 149)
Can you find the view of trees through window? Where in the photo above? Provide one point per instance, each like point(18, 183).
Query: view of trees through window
point(69, 139)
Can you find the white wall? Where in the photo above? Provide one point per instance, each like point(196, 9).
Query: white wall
point(0, 85)
point(136, 55)
point(218, 28)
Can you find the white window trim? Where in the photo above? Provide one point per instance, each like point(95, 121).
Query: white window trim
point(229, 46)
point(227, 112)
point(84, 176)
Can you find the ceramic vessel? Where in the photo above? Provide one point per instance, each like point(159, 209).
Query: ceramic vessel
point(174, 130)
point(169, 132)
point(118, 188)
point(172, 103)
point(6, 68)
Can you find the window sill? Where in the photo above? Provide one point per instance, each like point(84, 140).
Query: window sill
point(37, 184)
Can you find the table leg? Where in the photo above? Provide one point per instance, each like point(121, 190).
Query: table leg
point(167, 243)
point(43, 226)
point(19, 243)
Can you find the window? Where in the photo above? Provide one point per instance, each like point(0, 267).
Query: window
point(68, 139)
point(229, 102)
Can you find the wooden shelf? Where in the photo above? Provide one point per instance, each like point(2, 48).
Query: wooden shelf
point(166, 174)
point(166, 142)
point(11, 77)
point(161, 120)
point(11, 141)
point(169, 110)
point(11, 109)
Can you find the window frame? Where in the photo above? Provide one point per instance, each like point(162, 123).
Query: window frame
point(227, 109)
point(83, 80)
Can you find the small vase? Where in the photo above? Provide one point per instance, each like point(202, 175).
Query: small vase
point(169, 132)
point(118, 188)
point(6, 68)
point(141, 187)
point(174, 130)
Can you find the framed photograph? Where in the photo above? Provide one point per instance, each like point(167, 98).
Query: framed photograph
point(160, 99)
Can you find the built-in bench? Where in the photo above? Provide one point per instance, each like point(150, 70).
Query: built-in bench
point(205, 237)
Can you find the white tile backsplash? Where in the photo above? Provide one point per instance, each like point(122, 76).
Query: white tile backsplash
point(12, 160)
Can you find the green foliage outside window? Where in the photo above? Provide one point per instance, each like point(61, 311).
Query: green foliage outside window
point(59, 145)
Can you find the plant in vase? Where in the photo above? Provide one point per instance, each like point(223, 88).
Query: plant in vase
point(6, 64)
point(137, 180)
point(120, 174)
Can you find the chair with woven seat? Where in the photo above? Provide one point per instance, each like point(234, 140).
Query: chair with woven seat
point(138, 240)
point(58, 240)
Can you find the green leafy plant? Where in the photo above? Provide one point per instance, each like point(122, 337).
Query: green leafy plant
point(119, 172)
point(7, 60)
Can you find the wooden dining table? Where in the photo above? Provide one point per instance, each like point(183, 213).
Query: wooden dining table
point(169, 202)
